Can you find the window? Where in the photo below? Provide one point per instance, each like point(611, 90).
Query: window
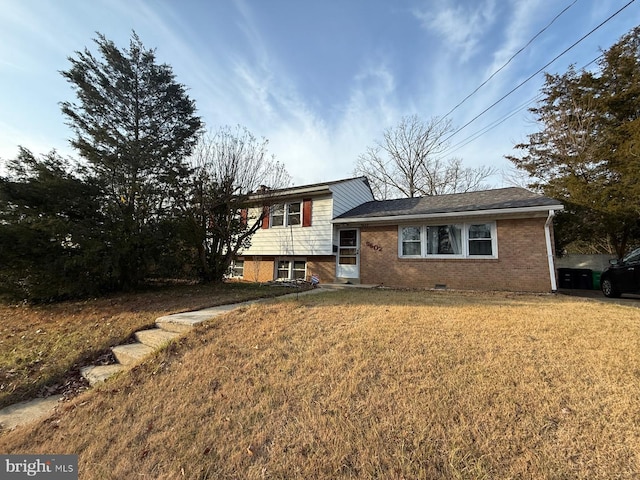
point(283, 269)
point(293, 213)
point(277, 215)
point(444, 240)
point(291, 269)
point(236, 268)
point(299, 269)
point(456, 240)
point(480, 242)
point(411, 242)
point(286, 214)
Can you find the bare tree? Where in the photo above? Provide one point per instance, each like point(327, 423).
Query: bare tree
point(228, 166)
point(408, 162)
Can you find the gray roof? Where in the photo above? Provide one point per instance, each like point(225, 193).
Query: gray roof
point(498, 199)
point(286, 190)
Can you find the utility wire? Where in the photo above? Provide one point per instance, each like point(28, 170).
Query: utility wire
point(510, 59)
point(491, 126)
point(538, 71)
point(464, 142)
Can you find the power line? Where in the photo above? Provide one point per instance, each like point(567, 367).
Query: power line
point(510, 59)
point(538, 71)
point(491, 126)
point(462, 143)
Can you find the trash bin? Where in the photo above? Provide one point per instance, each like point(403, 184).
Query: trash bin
point(576, 278)
point(596, 280)
point(582, 278)
point(565, 278)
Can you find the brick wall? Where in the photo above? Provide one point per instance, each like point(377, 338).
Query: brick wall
point(324, 267)
point(262, 269)
point(521, 265)
point(259, 269)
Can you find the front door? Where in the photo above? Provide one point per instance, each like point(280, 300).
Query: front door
point(348, 254)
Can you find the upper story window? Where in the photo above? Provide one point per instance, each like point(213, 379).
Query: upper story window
point(293, 213)
point(286, 214)
point(277, 215)
point(467, 240)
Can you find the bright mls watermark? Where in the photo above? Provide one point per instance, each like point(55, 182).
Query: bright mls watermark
point(49, 467)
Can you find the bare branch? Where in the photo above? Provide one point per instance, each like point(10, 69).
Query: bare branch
point(408, 162)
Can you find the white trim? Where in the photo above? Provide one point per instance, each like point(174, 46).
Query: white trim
point(279, 196)
point(547, 236)
point(232, 268)
point(464, 230)
point(434, 216)
point(285, 215)
point(340, 270)
point(291, 268)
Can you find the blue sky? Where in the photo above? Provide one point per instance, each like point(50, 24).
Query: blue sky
point(320, 79)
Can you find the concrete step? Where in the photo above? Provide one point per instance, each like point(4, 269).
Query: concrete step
point(182, 322)
point(26, 412)
point(131, 353)
point(155, 337)
point(99, 373)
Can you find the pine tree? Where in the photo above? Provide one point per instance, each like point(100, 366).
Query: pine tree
point(135, 125)
point(587, 152)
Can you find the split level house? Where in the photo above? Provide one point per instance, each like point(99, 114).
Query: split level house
point(500, 239)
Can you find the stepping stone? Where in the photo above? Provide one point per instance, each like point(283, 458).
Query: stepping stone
point(156, 337)
point(99, 373)
point(132, 353)
point(25, 412)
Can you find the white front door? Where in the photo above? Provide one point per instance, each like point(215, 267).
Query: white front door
point(348, 254)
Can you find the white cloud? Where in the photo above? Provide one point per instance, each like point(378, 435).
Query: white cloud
point(461, 27)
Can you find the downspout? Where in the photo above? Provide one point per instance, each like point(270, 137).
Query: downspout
point(547, 236)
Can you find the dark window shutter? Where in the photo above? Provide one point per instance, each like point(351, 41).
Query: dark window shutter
point(243, 217)
point(306, 212)
point(265, 219)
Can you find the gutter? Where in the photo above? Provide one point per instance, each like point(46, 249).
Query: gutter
point(427, 216)
point(547, 236)
point(289, 193)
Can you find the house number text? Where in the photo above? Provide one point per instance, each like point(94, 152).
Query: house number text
point(377, 248)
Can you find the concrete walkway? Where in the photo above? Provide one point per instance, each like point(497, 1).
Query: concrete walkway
point(168, 327)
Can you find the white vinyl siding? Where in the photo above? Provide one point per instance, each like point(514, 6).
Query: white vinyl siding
point(290, 238)
point(348, 195)
point(296, 240)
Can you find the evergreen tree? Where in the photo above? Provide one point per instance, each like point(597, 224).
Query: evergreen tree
point(52, 231)
point(135, 125)
point(587, 152)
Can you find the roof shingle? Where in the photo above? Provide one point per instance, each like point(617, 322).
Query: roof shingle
point(497, 199)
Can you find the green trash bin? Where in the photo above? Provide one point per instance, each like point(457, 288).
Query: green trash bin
point(596, 280)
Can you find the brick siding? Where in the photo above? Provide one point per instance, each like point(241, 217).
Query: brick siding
point(521, 265)
point(262, 269)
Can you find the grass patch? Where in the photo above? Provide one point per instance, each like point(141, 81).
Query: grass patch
point(39, 345)
point(371, 384)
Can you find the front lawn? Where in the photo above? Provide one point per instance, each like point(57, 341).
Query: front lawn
point(371, 384)
point(41, 345)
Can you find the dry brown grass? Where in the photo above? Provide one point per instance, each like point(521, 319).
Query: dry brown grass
point(39, 345)
point(371, 384)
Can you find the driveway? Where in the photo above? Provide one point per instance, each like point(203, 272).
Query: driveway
point(628, 299)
